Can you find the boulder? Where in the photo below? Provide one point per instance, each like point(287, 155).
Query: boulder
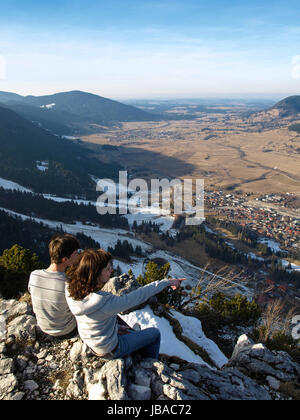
point(114, 374)
point(125, 284)
point(256, 361)
point(23, 328)
point(7, 384)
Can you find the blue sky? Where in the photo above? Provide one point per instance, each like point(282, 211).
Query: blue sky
point(154, 48)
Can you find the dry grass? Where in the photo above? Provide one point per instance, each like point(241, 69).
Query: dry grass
point(259, 162)
point(225, 280)
point(26, 297)
point(63, 377)
point(275, 319)
point(291, 389)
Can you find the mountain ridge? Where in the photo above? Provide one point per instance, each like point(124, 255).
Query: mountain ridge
point(69, 163)
point(289, 106)
point(73, 112)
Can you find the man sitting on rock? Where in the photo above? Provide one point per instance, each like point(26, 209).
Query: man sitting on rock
point(47, 289)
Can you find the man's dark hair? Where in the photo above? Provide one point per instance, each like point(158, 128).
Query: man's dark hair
point(62, 246)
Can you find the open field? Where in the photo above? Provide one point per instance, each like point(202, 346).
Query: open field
point(225, 150)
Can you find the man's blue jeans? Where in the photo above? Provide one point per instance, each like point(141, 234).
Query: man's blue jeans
point(145, 342)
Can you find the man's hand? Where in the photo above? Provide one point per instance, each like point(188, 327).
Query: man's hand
point(124, 330)
point(175, 283)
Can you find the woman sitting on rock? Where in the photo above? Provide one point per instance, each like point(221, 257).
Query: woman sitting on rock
point(96, 310)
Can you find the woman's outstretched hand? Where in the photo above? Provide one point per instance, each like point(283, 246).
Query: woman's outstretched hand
point(123, 329)
point(175, 283)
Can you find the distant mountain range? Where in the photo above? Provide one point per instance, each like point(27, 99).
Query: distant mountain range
point(67, 164)
point(280, 114)
point(78, 113)
point(29, 134)
point(288, 107)
point(73, 113)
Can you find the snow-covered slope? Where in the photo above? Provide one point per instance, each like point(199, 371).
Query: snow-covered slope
point(10, 185)
point(170, 344)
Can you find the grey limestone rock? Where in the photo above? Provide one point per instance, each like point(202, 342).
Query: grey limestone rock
point(32, 367)
point(258, 361)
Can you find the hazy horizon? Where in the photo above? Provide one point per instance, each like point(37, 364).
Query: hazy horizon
point(174, 97)
point(128, 49)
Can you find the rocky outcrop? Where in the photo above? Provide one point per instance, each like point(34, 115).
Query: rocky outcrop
point(121, 285)
point(32, 366)
point(256, 361)
point(125, 284)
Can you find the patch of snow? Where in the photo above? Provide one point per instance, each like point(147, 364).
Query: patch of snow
point(165, 222)
point(192, 329)
point(49, 106)
point(63, 199)
point(135, 211)
point(42, 166)
point(208, 229)
point(294, 266)
point(255, 257)
point(10, 185)
point(105, 237)
point(170, 344)
point(145, 214)
point(137, 266)
point(273, 245)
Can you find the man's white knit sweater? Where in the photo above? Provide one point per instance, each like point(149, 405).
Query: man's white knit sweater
point(96, 314)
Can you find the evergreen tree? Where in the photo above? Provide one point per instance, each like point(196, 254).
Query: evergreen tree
point(235, 310)
point(20, 260)
point(153, 273)
point(16, 264)
point(117, 271)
